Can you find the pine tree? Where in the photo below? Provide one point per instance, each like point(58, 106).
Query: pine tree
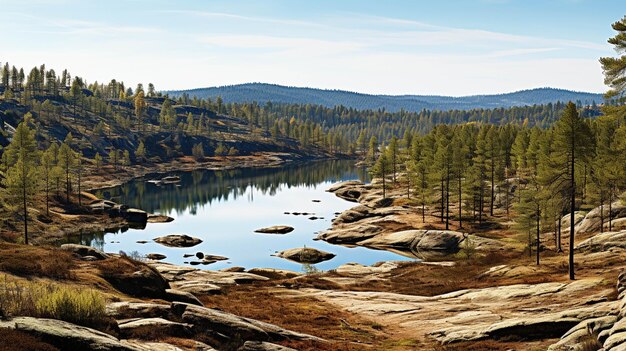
point(140, 153)
point(381, 169)
point(22, 177)
point(573, 143)
point(47, 165)
point(67, 160)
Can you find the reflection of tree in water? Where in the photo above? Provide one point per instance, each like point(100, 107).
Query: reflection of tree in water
point(198, 188)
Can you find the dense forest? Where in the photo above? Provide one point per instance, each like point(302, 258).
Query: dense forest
point(259, 92)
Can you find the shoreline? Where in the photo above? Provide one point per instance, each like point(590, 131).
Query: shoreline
point(94, 182)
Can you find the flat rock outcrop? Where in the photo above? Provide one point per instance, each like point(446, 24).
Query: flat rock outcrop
point(607, 331)
point(66, 336)
point(445, 241)
point(197, 281)
point(538, 311)
point(306, 255)
point(604, 241)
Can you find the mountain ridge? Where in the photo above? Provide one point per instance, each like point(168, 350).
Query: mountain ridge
point(263, 92)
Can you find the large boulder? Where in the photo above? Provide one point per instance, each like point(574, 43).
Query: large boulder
point(66, 336)
point(84, 251)
point(444, 241)
point(178, 240)
point(306, 255)
point(591, 223)
point(351, 235)
point(132, 277)
point(277, 229)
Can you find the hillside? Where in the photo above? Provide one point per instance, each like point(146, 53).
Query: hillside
point(262, 92)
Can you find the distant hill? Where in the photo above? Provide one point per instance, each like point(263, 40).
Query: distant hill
point(262, 93)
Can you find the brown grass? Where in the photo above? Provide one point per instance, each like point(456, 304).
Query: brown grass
point(31, 261)
point(303, 314)
point(13, 340)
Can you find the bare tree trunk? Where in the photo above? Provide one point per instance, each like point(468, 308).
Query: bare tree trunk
point(538, 239)
point(460, 203)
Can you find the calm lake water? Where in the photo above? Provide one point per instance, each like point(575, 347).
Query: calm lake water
point(223, 208)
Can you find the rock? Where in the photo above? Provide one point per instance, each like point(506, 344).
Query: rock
point(306, 255)
point(359, 269)
point(604, 242)
point(591, 222)
point(135, 215)
point(155, 256)
point(178, 240)
point(445, 241)
point(229, 324)
point(352, 235)
point(127, 309)
point(277, 229)
point(182, 296)
point(234, 269)
point(140, 345)
point(274, 273)
point(66, 336)
point(155, 218)
point(263, 346)
point(214, 258)
point(159, 326)
point(353, 215)
point(83, 251)
point(349, 183)
point(134, 278)
point(203, 319)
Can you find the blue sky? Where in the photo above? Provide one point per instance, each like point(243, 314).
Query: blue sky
point(373, 46)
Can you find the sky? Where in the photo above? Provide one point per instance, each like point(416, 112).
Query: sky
point(394, 47)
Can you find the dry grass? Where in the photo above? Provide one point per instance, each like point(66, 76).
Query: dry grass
point(303, 314)
point(13, 340)
point(31, 261)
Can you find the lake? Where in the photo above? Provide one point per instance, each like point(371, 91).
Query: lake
point(223, 208)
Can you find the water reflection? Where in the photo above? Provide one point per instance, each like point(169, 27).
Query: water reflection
point(201, 187)
point(223, 208)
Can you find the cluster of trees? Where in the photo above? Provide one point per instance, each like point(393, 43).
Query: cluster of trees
point(542, 174)
point(28, 171)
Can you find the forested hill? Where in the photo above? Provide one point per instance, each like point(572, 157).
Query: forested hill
point(261, 92)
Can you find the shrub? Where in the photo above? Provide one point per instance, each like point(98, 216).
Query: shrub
point(84, 307)
point(46, 300)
